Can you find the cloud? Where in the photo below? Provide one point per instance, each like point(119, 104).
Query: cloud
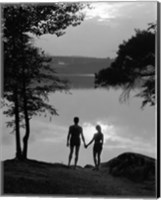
point(117, 138)
point(103, 11)
point(46, 131)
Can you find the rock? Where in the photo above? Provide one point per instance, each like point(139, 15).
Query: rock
point(134, 166)
point(88, 166)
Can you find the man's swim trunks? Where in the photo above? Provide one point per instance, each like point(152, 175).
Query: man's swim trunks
point(75, 132)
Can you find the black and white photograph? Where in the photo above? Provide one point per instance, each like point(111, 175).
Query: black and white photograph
point(79, 99)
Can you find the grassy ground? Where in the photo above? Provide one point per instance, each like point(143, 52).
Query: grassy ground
point(39, 178)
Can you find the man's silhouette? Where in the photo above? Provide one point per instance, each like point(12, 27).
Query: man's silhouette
point(74, 141)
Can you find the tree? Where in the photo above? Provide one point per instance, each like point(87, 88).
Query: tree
point(28, 79)
point(34, 80)
point(134, 67)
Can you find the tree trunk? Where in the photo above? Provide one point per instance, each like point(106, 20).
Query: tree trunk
point(17, 124)
point(17, 117)
point(27, 122)
point(25, 139)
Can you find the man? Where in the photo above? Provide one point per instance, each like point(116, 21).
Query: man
point(74, 141)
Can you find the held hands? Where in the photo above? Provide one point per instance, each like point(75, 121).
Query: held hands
point(85, 145)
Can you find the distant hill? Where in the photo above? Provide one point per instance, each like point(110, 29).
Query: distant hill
point(79, 71)
point(33, 177)
point(79, 65)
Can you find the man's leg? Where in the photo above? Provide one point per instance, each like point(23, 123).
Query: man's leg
point(70, 155)
point(76, 155)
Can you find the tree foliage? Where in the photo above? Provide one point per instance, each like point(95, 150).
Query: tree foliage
point(134, 67)
point(41, 18)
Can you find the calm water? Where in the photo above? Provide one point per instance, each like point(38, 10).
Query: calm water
point(126, 127)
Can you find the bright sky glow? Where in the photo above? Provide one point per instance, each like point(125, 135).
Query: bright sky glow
point(90, 130)
point(106, 11)
point(101, 11)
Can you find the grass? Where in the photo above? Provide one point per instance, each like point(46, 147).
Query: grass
point(32, 177)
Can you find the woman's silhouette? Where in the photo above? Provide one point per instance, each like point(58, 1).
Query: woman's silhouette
point(97, 148)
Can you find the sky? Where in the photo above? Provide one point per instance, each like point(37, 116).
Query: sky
point(126, 126)
point(106, 25)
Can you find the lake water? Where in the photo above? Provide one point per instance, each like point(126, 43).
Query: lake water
point(125, 126)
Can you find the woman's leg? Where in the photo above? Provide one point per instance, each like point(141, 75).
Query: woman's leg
point(99, 158)
point(94, 158)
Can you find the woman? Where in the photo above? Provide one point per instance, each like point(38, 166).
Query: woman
point(97, 148)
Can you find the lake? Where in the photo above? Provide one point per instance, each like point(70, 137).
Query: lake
point(125, 126)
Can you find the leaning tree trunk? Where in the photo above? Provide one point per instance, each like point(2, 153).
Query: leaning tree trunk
point(17, 125)
point(26, 137)
point(27, 122)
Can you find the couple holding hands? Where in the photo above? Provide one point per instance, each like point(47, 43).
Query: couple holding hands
point(74, 141)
